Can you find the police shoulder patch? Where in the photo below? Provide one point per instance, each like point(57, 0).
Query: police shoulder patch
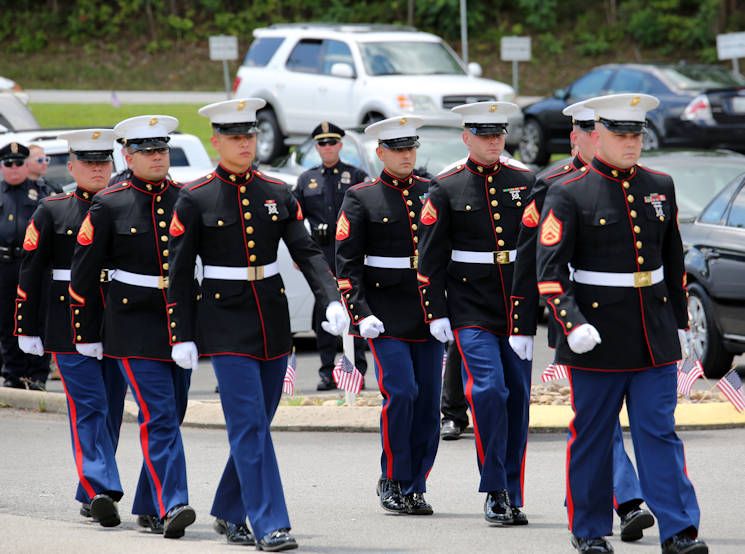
point(531, 216)
point(551, 230)
point(342, 227)
point(429, 213)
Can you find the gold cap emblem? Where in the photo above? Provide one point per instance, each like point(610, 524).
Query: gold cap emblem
point(241, 105)
point(403, 121)
point(493, 108)
point(635, 100)
point(14, 147)
point(325, 126)
point(153, 121)
point(96, 135)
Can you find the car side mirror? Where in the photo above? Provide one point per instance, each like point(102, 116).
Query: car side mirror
point(560, 93)
point(342, 70)
point(475, 69)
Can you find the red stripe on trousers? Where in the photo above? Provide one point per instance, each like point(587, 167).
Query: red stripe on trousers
point(384, 416)
point(469, 397)
point(573, 432)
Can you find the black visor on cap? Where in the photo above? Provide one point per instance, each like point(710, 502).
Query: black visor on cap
point(487, 128)
point(587, 125)
point(152, 143)
point(624, 127)
point(400, 142)
point(242, 128)
point(93, 155)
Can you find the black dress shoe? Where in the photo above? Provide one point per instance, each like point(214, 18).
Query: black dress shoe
point(85, 510)
point(633, 524)
point(450, 430)
point(390, 495)
point(177, 519)
point(235, 534)
point(415, 505)
point(518, 517)
point(497, 508)
point(103, 509)
point(149, 521)
point(598, 544)
point(276, 541)
point(683, 543)
point(326, 383)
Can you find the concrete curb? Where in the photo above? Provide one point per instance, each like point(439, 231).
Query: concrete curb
point(208, 414)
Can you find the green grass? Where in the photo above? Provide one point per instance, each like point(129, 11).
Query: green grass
point(106, 115)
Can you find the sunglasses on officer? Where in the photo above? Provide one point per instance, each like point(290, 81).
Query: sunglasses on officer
point(328, 142)
point(153, 151)
point(11, 163)
point(42, 160)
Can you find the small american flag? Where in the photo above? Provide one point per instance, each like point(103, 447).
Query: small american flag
point(346, 376)
point(731, 387)
point(288, 385)
point(555, 371)
point(689, 369)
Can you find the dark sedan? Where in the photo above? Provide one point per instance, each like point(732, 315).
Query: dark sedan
point(701, 106)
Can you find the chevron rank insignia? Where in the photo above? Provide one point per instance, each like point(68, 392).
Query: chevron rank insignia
point(531, 216)
point(550, 230)
point(85, 235)
point(342, 227)
point(177, 228)
point(31, 240)
point(429, 213)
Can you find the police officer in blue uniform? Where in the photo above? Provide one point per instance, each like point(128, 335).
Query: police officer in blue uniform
point(126, 231)
point(468, 232)
point(19, 197)
point(376, 260)
point(95, 389)
point(234, 218)
point(627, 495)
point(623, 317)
point(320, 192)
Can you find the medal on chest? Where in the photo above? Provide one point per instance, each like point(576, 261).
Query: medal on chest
point(271, 207)
point(515, 192)
point(656, 200)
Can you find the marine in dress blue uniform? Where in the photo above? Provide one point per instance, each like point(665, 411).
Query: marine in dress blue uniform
point(126, 231)
point(320, 192)
point(95, 389)
point(623, 319)
point(19, 197)
point(468, 232)
point(234, 218)
point(376, 260)
point(627, 496)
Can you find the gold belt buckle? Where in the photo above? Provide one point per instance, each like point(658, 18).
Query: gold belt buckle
point(642, 279)
point(413, 262)
point(162, 282)
point(502, 257)
point(255, 273)
point(104, 277)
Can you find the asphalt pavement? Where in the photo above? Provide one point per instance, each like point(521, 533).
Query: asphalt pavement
point(329, 481)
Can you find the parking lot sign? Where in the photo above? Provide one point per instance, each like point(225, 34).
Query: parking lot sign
point(224, 48)
point(515, 49)
point(731, 46)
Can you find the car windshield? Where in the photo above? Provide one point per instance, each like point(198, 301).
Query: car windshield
point(697, 178)
point(408, 58)
point(700, 77)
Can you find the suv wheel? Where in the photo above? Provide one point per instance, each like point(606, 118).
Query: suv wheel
point(270, 142)
point(650, 138)
point(372, 117)
point(532, 146)
point(707, 341)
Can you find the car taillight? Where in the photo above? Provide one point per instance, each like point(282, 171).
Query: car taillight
point(698, 110)
point(236, 83)
point(404, 102)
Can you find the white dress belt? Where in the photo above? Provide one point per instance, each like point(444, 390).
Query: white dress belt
point(609, 279)
point(250, 273)
point(392, 262)
point(471, 257)
point(61, 274)
point(138, 279)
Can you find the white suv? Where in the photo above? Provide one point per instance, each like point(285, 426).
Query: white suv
point(353, 75)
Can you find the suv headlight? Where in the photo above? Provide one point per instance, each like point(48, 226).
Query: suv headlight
point(508, 97)
point(415, 103)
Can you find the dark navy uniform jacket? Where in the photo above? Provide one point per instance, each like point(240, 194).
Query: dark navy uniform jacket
point(473, 208)
point(621, 221)
point(50, 240)
point(525, 284)
point(320, 192)
point(17, 205)
point(237, 220)
point(126, 228)
point(380, 218)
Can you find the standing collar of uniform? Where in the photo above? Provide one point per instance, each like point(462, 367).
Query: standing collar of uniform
point(578, 162)
point(481, 169)
point(84, 195)
point(612, 172)
point(395, 182)
point(336, 168)
point(233, 178)
point(149, 187)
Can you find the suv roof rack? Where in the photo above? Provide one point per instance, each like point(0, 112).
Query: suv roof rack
point(346, 27)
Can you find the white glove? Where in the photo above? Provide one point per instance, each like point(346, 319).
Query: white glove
point(583, 339)
point(523, 346)
point(371, 327)
point(684, 336)
point(31, 345)
point(336, 319)
point(440, 329)
point(91, 349)
point(185, 354)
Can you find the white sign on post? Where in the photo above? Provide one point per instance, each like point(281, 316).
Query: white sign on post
point(223, 47)
point(515, 49)
point(731, 46)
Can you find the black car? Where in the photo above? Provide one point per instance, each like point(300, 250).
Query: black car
point(715, 262)
point(701, 106)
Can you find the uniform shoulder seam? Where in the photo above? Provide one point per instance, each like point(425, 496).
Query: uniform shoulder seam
point(58, 197)
point(123, 185)
point(453, 171)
